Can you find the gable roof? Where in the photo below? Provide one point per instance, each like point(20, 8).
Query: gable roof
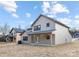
point(22, 33)
point(18, 30)
point(50, 19)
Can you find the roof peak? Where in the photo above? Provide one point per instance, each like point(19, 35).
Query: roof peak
point(50, 19)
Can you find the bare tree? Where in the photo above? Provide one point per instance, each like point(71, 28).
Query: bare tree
point(5, 29)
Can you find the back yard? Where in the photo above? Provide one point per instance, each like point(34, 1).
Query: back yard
point(15, 50)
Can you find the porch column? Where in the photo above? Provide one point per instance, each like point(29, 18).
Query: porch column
point(51, 38)
point(37, 40)
point(29, 38)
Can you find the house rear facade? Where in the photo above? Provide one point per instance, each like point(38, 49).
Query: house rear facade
point(47, 31)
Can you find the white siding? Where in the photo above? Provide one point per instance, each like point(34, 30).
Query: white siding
point(24, 34)
point(62, 34)
point(42, 21)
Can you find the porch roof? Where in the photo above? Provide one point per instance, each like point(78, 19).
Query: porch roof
point(40, 32)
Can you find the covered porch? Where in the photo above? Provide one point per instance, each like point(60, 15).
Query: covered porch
point(42, 38)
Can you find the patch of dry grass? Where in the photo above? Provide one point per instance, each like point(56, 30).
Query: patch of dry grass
point(12, 49)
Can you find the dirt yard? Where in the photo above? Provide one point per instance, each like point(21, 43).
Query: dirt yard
point(15, 50)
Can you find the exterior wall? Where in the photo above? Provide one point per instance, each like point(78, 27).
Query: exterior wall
point(18, 37)
point(14, 32)
point(24, 34)
point(42, 21)
point(62, 34)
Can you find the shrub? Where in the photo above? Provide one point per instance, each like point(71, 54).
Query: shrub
point(19, 42)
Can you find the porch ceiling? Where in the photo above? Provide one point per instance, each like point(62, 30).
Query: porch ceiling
point(41, 32)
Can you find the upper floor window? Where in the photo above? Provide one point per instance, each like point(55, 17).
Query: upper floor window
point(37, 27)
point(48, 24)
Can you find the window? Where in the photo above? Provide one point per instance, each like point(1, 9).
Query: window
point(25, 38)
point(47, 25)
point(37, 27)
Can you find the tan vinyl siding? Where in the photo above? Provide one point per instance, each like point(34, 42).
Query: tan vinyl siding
point(18, 37)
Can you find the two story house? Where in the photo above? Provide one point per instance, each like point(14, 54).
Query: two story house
point(14, 34)
point(47, 31)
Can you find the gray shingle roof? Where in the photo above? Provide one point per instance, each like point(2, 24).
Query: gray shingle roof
point(18, 30)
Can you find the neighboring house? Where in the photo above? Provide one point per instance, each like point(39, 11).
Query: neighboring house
point(76, 34)
point(47, 31)
point(14, 35)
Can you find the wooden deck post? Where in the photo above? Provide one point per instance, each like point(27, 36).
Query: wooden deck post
point(37, 40)
point(51, 38)
point(29, 38)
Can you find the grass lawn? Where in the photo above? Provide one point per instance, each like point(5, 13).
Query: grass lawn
point(15, 50)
